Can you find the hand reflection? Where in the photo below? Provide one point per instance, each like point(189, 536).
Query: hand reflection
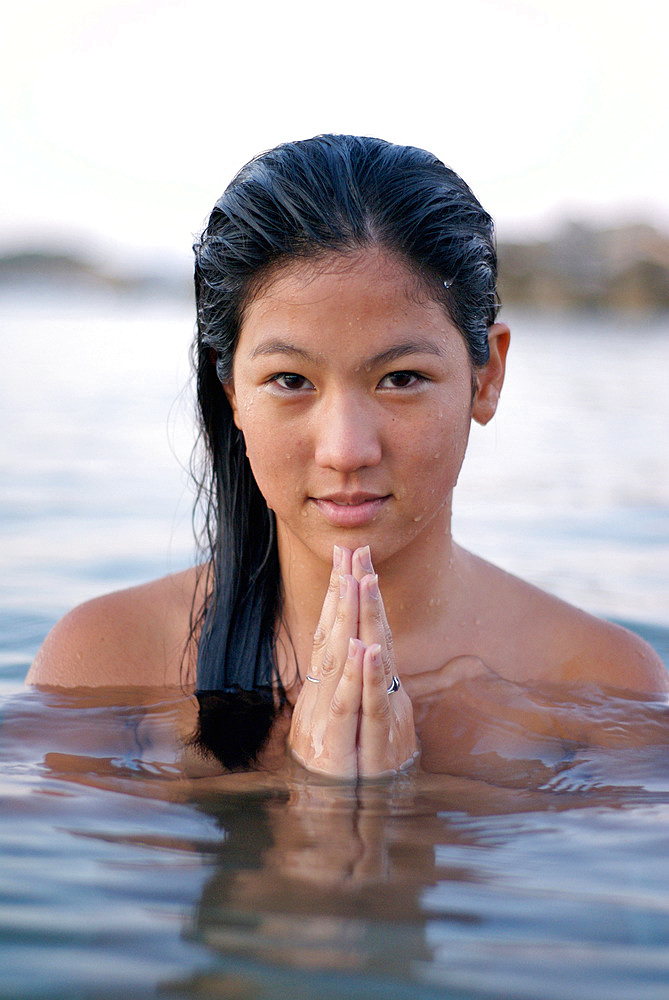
point(337, 834)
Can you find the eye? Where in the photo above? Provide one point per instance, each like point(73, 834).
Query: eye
point(401, 380)
point(290, 381)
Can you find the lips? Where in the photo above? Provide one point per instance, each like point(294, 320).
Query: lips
point(350, 510)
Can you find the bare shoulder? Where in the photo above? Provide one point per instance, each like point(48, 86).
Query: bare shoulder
point(133, 637)
point(605, 653)
point(540, 637)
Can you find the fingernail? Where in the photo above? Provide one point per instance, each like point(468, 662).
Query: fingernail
point(336, 557)
point(352, 649)
point(343, 585)
point(366, 559)
point(374, 587)
point(376, 655)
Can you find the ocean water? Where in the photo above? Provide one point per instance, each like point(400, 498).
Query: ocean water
point(126, 873)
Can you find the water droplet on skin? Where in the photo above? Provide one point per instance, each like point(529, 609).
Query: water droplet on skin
point(436, 455)
point(418, 517)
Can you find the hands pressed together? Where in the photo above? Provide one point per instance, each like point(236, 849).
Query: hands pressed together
point(351, 718)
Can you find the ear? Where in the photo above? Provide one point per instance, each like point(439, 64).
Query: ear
point(229, 390)
point(490, 378)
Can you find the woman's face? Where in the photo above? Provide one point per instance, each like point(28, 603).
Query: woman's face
point(353, 392)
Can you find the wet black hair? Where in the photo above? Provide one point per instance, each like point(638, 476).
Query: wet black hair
point(333, 194)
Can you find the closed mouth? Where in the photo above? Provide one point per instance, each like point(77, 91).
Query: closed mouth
point(352, 499)
point(351, 510)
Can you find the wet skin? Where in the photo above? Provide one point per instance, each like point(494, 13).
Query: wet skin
point(353, 391)
point(355, 394)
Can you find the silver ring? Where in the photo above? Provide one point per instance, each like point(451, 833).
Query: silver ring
point(314, 680)
point(394, 685)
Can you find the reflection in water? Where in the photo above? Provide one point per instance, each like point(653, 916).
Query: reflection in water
point(333, 879)
point(140, 870)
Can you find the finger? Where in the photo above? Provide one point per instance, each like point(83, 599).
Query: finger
point(347, 699)
point(345, 626)
point(373, 628)
point(375, 697)
point(375, 718)
point(361, 562)
point(329, 746)
point(345, 559)
point(340, 556)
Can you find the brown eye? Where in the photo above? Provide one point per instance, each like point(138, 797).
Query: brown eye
point(401, 380)
point(291, 381)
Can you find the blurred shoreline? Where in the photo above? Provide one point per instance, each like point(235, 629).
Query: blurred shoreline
point(580, 267)
point(623, 268)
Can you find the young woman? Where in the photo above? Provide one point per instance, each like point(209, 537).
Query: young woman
point(347, 336)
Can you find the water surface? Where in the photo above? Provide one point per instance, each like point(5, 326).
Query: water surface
point(129, 870)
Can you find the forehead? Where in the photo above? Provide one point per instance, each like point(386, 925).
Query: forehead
point(344, 302)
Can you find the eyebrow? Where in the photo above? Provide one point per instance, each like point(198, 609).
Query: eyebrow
point(419, 346)
point(281, 347)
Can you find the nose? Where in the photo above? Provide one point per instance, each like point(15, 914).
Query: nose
point(347, 435)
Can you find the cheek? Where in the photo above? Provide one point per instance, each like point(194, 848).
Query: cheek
point(434, 455)
point(443, 433)
point(274, 459)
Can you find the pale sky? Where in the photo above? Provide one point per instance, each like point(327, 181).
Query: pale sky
point(123, 120)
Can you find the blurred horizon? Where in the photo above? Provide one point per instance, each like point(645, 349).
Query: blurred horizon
point(621, 268)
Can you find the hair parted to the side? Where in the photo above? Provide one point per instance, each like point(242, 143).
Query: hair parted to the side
point(333, 194)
